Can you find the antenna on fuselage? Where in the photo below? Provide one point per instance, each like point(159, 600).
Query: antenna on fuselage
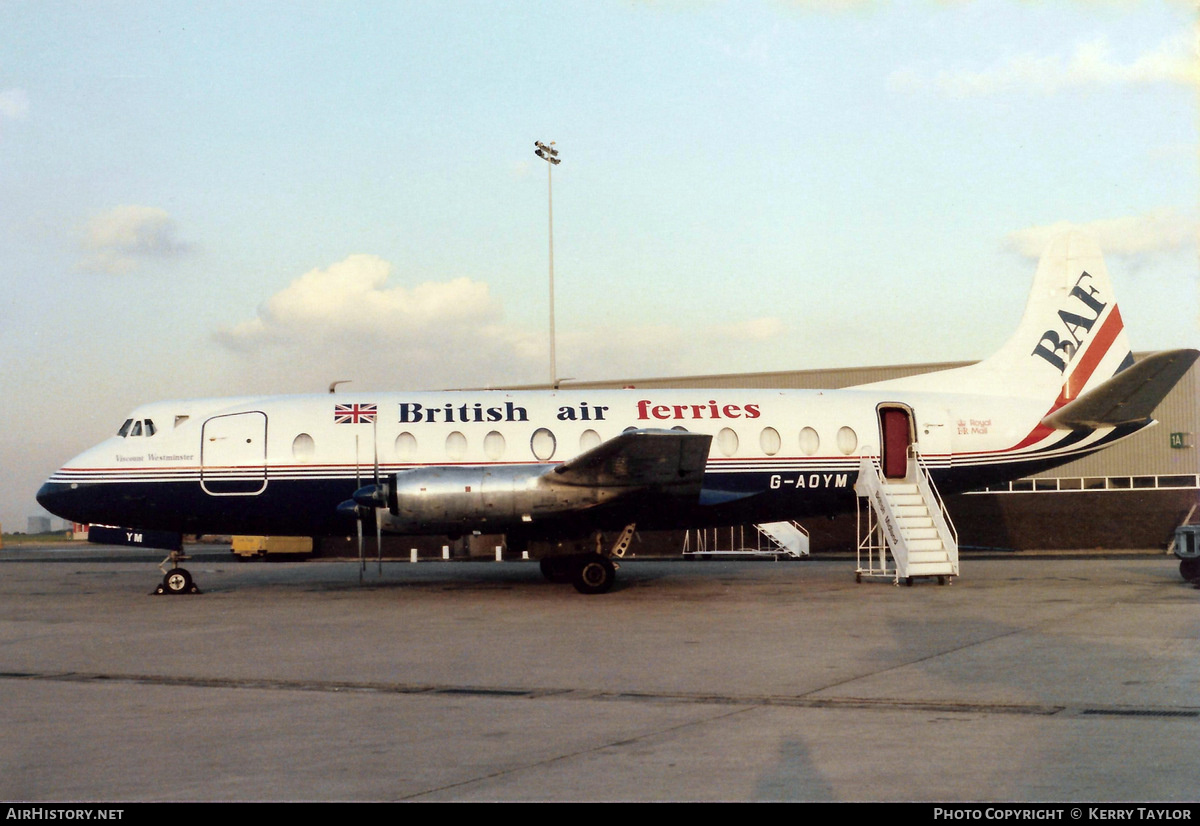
point(333, 384)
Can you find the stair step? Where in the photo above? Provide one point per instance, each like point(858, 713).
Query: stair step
point(928, 555)
point(930, 569)
point(917, 545)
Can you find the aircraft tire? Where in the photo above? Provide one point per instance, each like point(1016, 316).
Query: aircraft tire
point(593, 574)
point(177, 581)
point(1189, 569)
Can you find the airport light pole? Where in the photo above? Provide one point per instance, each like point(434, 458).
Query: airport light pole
point(549, 154)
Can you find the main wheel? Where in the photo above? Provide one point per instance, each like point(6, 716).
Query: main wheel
point(594, 574)
point(1189, 569)
point(177, 581)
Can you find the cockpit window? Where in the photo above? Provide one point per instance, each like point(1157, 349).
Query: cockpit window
point(137, 427)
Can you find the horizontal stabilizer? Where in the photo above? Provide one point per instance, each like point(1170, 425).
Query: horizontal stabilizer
point(1128, 397)
point(640, 459)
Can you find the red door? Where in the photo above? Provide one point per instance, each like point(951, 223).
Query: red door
point(897, 436)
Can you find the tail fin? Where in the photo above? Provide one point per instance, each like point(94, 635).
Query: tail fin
point(1070, 339)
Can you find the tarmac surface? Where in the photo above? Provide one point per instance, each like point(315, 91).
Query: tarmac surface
point(1046, 678)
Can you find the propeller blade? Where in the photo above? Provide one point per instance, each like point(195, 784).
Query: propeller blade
point(379, 489)
point(362, 564)
point(362, 560)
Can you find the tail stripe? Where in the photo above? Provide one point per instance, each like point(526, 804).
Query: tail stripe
point(1082, 372)
point(1092, 356)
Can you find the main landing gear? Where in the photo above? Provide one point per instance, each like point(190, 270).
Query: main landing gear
point(1189, 569)
point(176, 580)
point(590, 573)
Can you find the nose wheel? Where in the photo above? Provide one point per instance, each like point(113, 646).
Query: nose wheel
point(176, 580)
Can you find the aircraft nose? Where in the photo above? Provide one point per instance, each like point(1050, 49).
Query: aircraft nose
point(57, 498)
point(51, 497)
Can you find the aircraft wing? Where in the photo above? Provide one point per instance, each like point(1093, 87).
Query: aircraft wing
point(1128, 397)
point(641, 459)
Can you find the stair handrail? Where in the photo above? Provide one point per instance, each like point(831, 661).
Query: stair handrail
point(925, 478)
point(869, 485)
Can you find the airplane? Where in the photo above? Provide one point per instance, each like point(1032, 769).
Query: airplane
point(559, 468)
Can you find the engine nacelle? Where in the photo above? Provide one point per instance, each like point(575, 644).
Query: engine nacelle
point(477, 498)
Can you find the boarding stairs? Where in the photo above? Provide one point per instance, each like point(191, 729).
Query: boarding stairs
point(774, 539)
point(903, 518)
point(789, 536)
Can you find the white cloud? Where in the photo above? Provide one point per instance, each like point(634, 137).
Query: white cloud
point(120, 239)
point(1091, 64)
point(14, 104)
point(1162, 230)
point(346, 321)
point(351, 298)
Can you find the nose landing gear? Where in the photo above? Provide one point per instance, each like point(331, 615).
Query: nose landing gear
point(176, 580)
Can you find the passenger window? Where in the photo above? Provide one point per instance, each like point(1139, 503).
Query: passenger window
point(588, 439)
point(847, 440)
point(543, 444)
point(727, 441)
point(405, 447)
point(769, 441)
point(493, 445)
point(456, 445)
point(810, 442)
point(303, 447)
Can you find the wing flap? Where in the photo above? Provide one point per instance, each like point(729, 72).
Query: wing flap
point(641, 459)
point(1128, 397)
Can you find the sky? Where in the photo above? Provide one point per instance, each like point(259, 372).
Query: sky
point(221, 198)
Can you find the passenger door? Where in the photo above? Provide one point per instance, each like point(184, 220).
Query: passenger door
point(233, 454)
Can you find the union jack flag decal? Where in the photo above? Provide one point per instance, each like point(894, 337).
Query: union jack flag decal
point(354, 413)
